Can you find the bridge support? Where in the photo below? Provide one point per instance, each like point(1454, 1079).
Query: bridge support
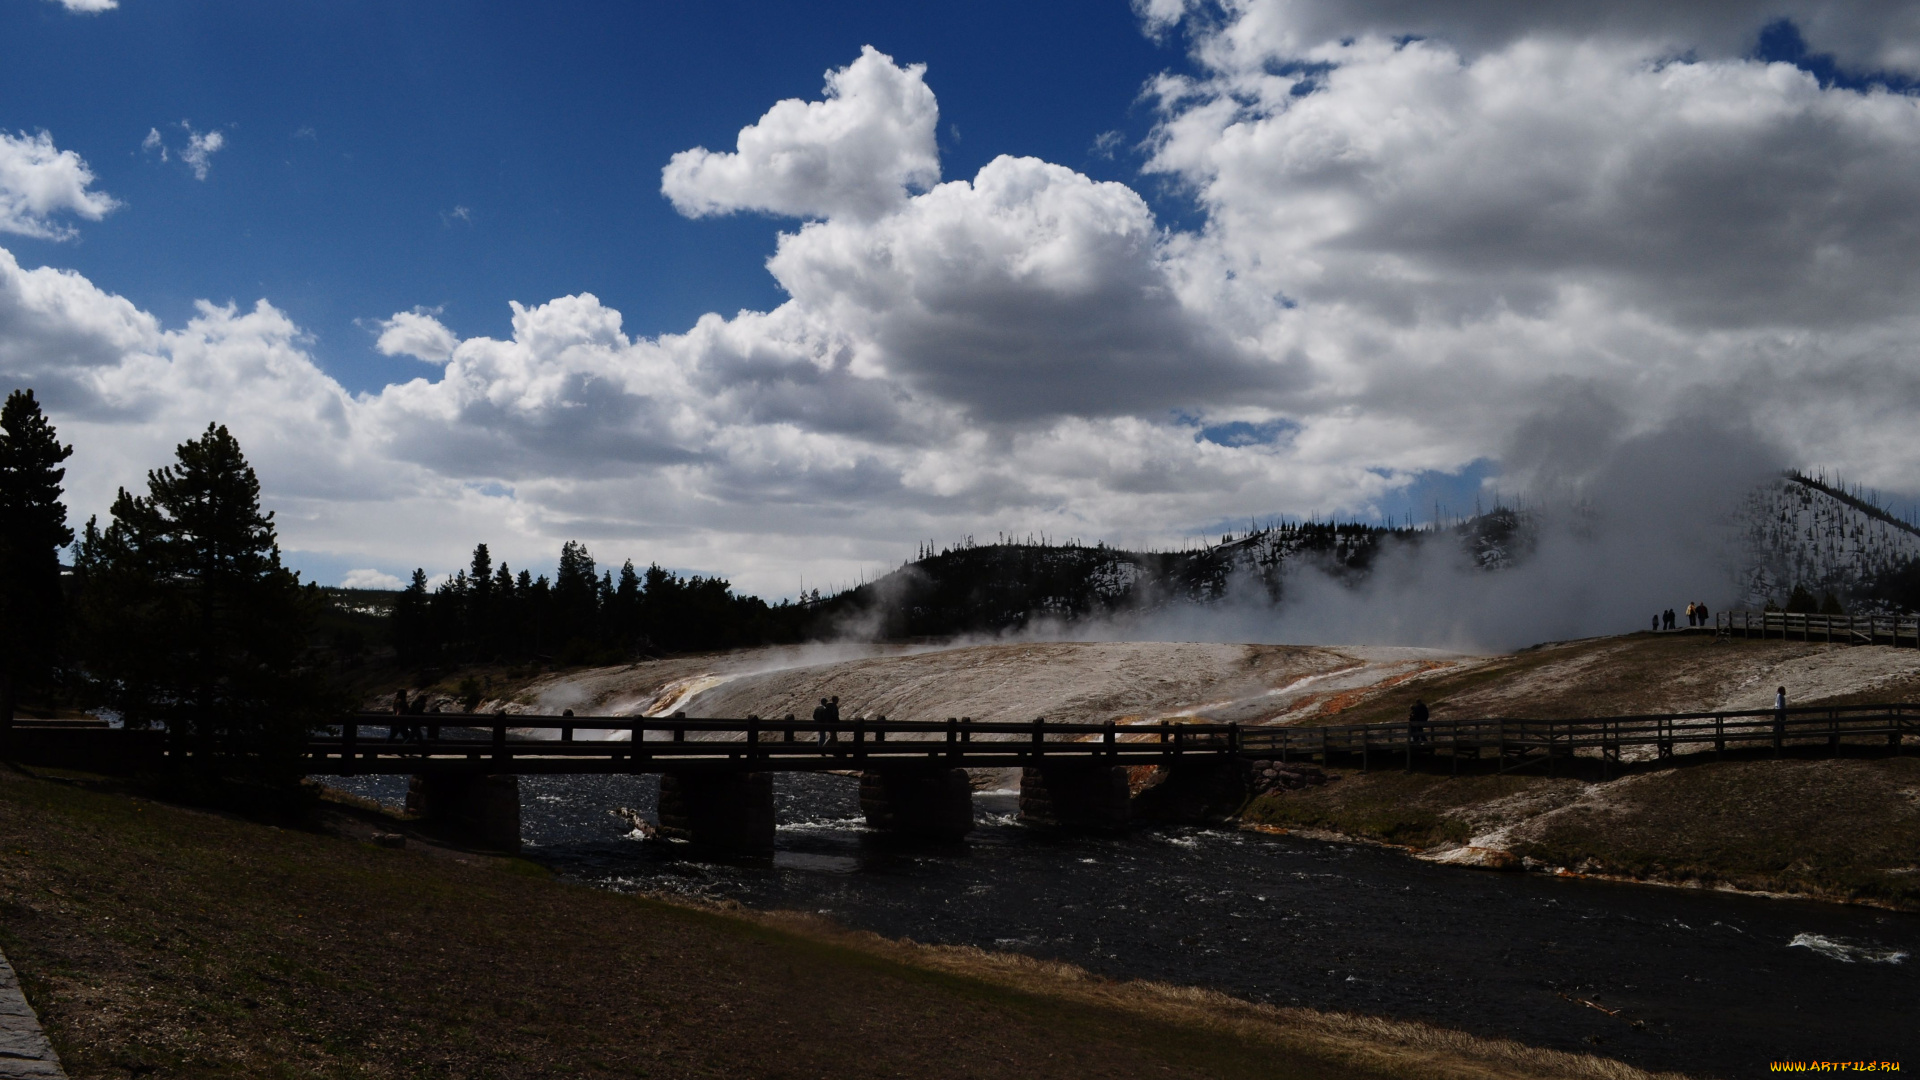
point(1192, 792)
point(477, 806)
point(1074, 796)
point(733, 811)
point(935, 804)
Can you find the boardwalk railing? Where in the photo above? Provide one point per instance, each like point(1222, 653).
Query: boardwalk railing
point(1895, 630)
point(1516, 741)
point(376, 743)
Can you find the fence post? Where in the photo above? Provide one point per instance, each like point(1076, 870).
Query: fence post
point(1107, 740)
point(500, 745)
point(349, 746)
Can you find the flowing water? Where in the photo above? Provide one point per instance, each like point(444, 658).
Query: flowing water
point(1705, 983)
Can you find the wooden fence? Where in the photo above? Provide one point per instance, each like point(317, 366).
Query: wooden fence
point(1524, 742)
point(1895, 630)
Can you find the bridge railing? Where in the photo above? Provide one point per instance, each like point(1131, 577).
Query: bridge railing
point(1896, 630)
point(1664, 731)
point(382, 742)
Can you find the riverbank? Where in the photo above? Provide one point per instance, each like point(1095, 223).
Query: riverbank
point(161, 941)
point(1837, 829)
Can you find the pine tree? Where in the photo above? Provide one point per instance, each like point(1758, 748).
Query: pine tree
point(412, 631)
point(576, 595)
point(190, 621)
point(33, 529)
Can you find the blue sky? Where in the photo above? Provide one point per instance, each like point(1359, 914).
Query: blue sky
point(781, 291)
point(355, 132)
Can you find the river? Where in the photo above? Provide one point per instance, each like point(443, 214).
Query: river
point(1706, 983)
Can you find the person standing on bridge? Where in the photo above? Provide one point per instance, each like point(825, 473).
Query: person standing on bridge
point(1779, 714)
point(820, 717)
point(1702, 611)
point(1417, 722)
point(1689, 613)
point(402, 731)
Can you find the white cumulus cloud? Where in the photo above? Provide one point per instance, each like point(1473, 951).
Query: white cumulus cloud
point(856, 153)
point(38, 181)
point(418, 334)
point(1866, 34)
point(89, 7)
point(370, 579)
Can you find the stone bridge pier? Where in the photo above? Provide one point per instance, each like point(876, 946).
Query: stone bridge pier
point(476, 806)
point(1075, 795)
point(733, 811)
point(918, 800)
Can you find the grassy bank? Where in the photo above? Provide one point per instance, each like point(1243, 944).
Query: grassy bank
point(1842, 829)
point(164, 942)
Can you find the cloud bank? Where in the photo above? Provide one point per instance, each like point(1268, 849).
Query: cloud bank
point(1424, 233)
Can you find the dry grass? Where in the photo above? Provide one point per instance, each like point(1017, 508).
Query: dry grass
point(163, 942)
point(1844, 829)
point(1416, 810)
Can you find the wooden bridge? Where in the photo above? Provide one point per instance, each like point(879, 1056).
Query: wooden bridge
point(716, 782)
point(503, 744)
point(716, 774)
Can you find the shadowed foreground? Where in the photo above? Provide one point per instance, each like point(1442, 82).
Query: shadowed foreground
point(157, 941)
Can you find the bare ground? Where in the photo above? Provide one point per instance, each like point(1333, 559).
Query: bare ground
point(1262, 684)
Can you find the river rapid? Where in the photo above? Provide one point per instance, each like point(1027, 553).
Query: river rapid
point(1706, 983)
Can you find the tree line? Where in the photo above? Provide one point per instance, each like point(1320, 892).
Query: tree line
point(488, 613)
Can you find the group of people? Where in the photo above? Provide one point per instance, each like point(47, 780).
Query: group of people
point(403, 707)
point(827, 712)
point(1697, 615)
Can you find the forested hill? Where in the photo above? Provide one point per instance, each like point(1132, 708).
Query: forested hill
point(990, 588)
